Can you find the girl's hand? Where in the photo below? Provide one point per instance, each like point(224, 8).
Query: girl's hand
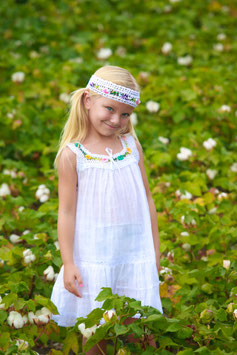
point(71, 274)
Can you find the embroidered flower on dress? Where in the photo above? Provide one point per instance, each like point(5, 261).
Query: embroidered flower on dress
point(106, 160)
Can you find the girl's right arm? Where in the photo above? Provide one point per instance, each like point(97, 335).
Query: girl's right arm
point(67, 194)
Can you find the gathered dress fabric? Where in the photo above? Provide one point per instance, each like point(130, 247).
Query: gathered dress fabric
point(113, 242)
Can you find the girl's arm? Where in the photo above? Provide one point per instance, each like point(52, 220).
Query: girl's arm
point(152, 208)
point(67, 194)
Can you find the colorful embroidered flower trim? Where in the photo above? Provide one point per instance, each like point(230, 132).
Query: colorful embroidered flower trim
point(114, 91)
point(104, 159)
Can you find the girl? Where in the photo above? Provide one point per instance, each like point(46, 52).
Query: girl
point(107, 222)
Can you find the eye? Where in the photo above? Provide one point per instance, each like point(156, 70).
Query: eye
point(126, 115)
point(109, 108)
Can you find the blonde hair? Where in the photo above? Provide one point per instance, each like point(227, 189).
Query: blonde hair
point(76, 127)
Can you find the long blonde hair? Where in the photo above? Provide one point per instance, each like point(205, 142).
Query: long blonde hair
point(76, 127)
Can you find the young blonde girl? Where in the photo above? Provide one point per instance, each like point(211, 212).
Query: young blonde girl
point(107, 221)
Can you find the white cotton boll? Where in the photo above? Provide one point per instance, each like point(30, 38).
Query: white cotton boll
point(15, 319)
point(222, 195)
point(12, 173)
point(49, 273)
point(64, 97)
point(221, 37)
point(177, 193)
point(182, 219)
point(165, 270)
point(133, 118)
point(226, 264)
point(121, 51)
point(184, 234)
point(44, 198)
point(77, 60)
point(104, 53)
point(18, 77)
point(212, 210)
point(166, 48)
point(163, 140)
point(25, 319)
point(174, 1)
point(186, 247)
point(2, 305)
point(193, 222)
point(57, 245)
point(21, 208)
point(235, 313)
point(218, 47)
point(55, 276)
point(204, 258)
point(14, 238)
point(43, 318)
point(46, 312)
point(27, 252)
point(107, 315)
point(26, 232)
point(187, 195)
point(81, 327)
point(31, 317)
point(187, 60)
point(152, 106)
point(167, 183)
point(182, 156)
point(211, 173)
point(209, 144)
point(186, 151)
point(27, 259)
point(4, 190)
point(225, 108)
point(234, 167)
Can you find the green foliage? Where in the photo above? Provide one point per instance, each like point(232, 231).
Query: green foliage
point(57, 52)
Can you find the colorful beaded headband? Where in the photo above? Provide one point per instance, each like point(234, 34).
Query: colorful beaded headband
point(113, 91)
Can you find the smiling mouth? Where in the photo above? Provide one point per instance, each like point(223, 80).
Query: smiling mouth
point(111, 126)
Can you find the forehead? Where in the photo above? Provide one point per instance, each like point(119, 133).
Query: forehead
point(115, 104)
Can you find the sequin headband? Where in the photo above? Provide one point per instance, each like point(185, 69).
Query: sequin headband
point(113, 91)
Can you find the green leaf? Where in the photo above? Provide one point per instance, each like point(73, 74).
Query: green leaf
point(3, 316)
point(106, 292)
point(71, 343)
point(120, 329)
point(184, 333)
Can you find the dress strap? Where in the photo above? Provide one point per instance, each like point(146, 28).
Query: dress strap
point(131, 142)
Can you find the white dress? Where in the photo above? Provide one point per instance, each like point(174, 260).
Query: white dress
point(113, 242)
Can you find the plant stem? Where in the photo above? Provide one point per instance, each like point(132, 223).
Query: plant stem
point(100, 349)
point(115, 344)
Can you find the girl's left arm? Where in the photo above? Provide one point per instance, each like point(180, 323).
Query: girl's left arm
point(152, 208)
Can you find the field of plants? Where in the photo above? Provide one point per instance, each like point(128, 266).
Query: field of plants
point(183, 54)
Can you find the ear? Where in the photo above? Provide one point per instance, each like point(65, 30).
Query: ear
point(87, 99)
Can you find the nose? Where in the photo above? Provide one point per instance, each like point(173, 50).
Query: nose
point(115, 119)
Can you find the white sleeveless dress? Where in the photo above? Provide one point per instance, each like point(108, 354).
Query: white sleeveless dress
point(113, 242)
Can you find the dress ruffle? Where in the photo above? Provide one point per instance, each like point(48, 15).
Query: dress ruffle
point(138, 280)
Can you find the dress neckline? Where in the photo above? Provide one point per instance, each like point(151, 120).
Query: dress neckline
point(106, 155)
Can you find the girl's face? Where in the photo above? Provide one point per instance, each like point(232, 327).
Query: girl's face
point(107, 117)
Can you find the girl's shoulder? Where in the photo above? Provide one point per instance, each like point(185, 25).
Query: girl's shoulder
point(132, 143)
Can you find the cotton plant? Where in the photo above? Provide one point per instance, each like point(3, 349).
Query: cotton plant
point(40, 317)
point(18, 77)
point(218, 47)
point(14, 238)
point(166, 48)
point(209, 144)
point(163, 140)
point(225, 108)
point(28, 256)
point(211, 173)
point(133, 118)
point(184, 154)
point(42, 193)
point(16, 320)
point(234, 167)
point(186, 195)
point(152, 106)
point(186, 60)
point(12, 173)
point(64, 97)
point(2, 305)
point(222, 195)
point(104, 53)
point(49, 273)
point(4, 190)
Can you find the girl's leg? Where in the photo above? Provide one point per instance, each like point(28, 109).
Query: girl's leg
point(95, 350)
point(130, 337)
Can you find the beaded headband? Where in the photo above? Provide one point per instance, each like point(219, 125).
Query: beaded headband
point(113, 91)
